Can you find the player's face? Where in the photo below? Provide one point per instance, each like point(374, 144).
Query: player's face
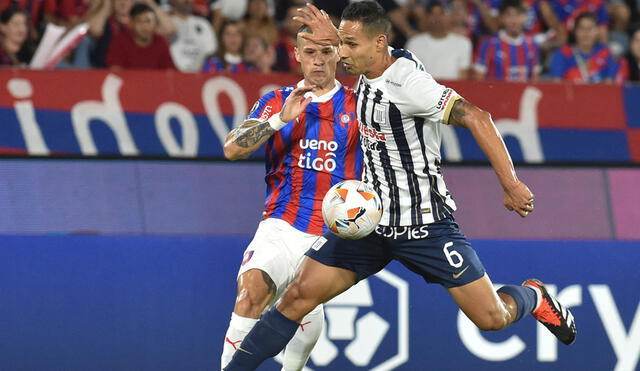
point(318, 62)
point(357, 49)
point(586, 32)
point(513, 21)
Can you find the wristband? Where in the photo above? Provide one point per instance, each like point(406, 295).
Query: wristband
point(275, 122)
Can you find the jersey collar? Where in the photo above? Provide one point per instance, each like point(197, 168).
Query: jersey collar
point(324, 97)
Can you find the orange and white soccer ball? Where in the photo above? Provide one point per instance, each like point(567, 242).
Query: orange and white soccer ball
point(351, 209)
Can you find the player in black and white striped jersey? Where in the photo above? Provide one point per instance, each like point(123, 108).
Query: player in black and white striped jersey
point(400, 108)
point(401, 137)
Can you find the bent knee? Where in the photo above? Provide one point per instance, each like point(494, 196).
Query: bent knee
point(251, 301)
point(298, 300)
point(491, 321)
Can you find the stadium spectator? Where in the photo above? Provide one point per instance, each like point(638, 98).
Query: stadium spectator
point(141, 47)
point(630, 69)
point(36, 10)
point(445, 55)
point(229, 55)
point(17, 48)
point(259, 54)
point(194, 39)
point(258, 22)
point(511, 55)
point(483, 18)
point(568, 11)
point(111, 19)
point(285, 54)
point(588, 60)
point(620, 16)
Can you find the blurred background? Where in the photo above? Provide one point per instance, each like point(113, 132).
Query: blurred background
point(122, 226)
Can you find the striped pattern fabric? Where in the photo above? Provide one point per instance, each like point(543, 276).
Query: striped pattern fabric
point(400, 114)
point(309, 155)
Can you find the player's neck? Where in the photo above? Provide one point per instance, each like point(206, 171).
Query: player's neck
point(321, 90)
point(381, 65)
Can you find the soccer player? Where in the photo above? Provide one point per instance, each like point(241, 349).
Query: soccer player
point(588, 61)
point(400, 108)
point(312, 143)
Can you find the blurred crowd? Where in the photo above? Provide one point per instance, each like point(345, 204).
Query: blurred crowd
point(590, 41)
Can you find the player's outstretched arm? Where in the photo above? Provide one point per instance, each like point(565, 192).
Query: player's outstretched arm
point(242, 141)
point(323, 31)
point(517, 196)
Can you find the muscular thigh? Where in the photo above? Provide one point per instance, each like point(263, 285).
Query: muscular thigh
point(440, 253)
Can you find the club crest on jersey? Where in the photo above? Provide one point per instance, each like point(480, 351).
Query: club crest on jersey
point(246, 257)
point(380, 113)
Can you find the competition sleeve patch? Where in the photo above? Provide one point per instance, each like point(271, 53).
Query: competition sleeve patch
point(449, 106)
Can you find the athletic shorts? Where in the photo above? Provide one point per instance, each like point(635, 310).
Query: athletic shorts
point(439, 252)
point(277, 249)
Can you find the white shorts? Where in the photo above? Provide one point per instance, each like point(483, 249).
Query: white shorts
point(277, 248)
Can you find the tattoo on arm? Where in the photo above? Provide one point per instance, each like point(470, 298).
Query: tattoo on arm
point(249, 134)
point(459, 112)
point(271, 287)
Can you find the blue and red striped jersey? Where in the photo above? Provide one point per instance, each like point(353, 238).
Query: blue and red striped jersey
point(320, 148)
point(215, 64)
point(568, 10)
point(571, 64)
point(504, 58)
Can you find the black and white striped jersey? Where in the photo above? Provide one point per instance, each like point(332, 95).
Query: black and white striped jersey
point(400, 113)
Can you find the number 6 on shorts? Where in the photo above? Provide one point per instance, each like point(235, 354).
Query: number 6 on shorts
point(451, 254)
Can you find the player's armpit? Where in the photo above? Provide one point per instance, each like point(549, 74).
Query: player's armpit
point(246, 138)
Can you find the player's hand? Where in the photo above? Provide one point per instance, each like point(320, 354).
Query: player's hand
point(518, 198)
point(295, 104)
point(323, 30)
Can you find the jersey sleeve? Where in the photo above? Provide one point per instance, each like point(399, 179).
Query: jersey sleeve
point(266, 106)
point(424, 97)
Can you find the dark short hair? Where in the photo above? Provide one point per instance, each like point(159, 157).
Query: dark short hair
point(370, 14)
point(585, 15)
point(434, 4)
point(516, 4)
point(8, 13)
point(138, 9)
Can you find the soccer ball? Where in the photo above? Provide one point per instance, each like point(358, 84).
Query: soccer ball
point(351, 209)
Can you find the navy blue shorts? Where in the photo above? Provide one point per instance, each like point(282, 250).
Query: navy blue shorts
point(439, 252)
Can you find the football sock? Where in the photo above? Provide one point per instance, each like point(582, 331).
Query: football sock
point(525, 297)
point(239, 327)
point(299, 348)
point(267, 338)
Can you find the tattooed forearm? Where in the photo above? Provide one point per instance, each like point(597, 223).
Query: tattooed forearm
point(250, 134)
point(459, 112)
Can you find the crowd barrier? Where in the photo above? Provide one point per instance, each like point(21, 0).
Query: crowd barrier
point(162, 303)
point(171, 114)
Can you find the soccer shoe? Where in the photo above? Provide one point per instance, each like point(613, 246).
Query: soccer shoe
point(552, 315)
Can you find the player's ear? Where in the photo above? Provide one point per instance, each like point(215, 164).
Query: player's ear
point(297, 53)
point(381, 42)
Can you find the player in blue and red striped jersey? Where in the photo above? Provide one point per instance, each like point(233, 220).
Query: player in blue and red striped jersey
point(510, 55)
point(312, 141)
point(587, 61)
